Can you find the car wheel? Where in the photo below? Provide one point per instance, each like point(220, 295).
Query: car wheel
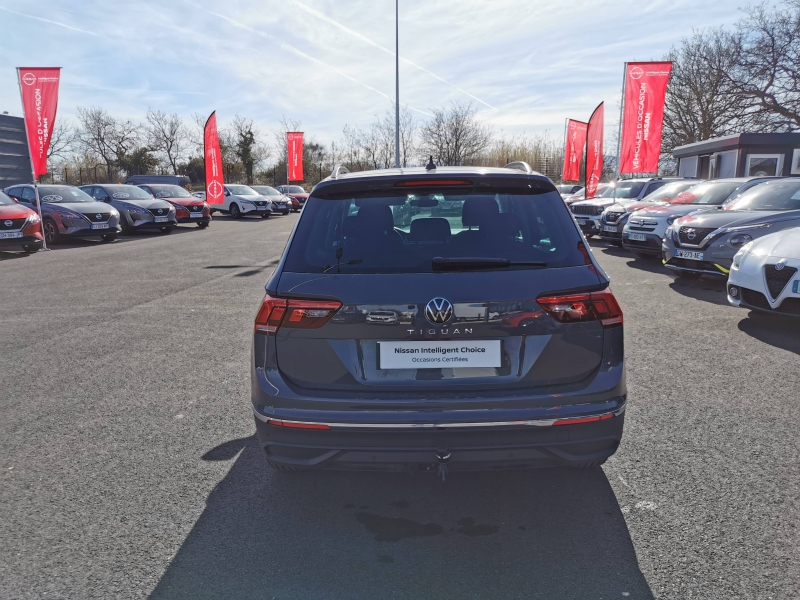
point(167, 229)
point(688, 275)
point(123, 225)
point(51, 233)
point(203, 225)
point(266, 215)
point(235, 212)
point(109, 237)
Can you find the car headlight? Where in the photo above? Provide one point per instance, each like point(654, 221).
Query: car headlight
point(243, 201)
point(672, 218)
point(675, 230)
point(34, 218)
point(740, 239)
point(71, 215)
point(132, 208)
point(114, 212)
point(739, 256)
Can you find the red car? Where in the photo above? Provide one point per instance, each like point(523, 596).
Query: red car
point(188, 208)
point(20, 227)
point(297, 194)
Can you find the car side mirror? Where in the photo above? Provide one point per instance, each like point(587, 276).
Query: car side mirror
point(227, 193)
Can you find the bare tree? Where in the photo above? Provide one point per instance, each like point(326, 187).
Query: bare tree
point(455, 136)
point(62, 140)
point(105, 137)
point(168, 136)
point(767, 69)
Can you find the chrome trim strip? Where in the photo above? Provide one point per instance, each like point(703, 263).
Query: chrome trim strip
point(676, 268)
point(530, 423)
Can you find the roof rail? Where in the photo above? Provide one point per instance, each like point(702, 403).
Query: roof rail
point(521, 165)
point(339, 170)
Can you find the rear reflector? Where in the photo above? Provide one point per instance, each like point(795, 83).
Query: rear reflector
point(588, 306)
point(303, 314)
point(583, 420)
point(295, 425)
point(433, 182)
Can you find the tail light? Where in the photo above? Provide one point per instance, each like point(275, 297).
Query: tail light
point(297, 314)
point(588, 306)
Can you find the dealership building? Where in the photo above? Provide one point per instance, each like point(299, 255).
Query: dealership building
point(15, 162)
point(740, 155)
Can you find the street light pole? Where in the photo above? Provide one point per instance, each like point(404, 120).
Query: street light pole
point(397, 83)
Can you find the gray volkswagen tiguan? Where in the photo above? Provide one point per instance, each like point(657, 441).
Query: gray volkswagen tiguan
point(504, 347)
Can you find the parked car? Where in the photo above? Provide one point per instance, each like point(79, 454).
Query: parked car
point(201, 195)
point(280, 203)
point(587, 212)
point(646, 228)
point(568, 189)
point(243, 201)
point(296, 193)
point(68, 212)
point(460, 381)
point(20, 227)
point(180, 180)
point(138, 210)
point(188, 208)
point(705, 243)
point(765, 274)
point(615, 217)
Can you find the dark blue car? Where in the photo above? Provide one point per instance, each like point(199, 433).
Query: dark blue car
point(484, 338)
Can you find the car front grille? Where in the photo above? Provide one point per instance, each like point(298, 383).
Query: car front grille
point(97, 217)
point(14, 224)
point(642, 225)
point(612, 217)
point(197, 208)
point(584, 210)
point(778, 278)
point(756, 299)
point(694, 236)
point(261, 202)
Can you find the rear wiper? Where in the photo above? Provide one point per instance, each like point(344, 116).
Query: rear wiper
point(339, 263)
point(468, 263)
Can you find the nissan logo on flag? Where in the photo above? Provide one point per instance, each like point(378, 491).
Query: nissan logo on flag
point(438, 311)
point(636, 72)
point(29, 79)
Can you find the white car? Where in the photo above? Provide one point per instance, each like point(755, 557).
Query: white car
point(241, 200)
point(765, 274)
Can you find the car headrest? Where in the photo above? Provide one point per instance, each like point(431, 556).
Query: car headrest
point(375, 218)
point(478, 210)
point(430, 230)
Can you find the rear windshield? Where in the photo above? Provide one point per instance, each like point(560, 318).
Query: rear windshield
point(774, 195)
point(404, 233)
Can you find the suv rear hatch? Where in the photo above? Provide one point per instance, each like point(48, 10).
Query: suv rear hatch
point(381, 289)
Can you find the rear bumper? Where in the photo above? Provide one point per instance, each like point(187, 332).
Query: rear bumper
point(470, 447)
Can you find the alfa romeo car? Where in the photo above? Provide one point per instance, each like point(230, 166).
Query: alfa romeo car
point(484, 339)
point(587, 212)
point(20, 227)
point(646, 228)
point(280, 203)
point(138, 210)
point(68, 212)
point(705, 243)
point(615, 217)
point(765, 274)
point(188, 208)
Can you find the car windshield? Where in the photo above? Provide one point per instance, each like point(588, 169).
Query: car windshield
point(266, 190)
point(565, 189)
point(295, 189)
point(63, 194)
point(127, 192)
point(773, 195)
point(668, 192)
point(707, 193)
point(368, 233)
point(5, 200)
point(624, 189)
point(169, 191)
point(242, 190)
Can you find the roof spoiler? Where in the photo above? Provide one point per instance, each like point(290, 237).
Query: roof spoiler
point(339, 170)
point(521, 165)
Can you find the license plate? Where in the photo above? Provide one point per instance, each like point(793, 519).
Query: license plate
point(99, 225)
point(609, 228)
point(637, 237)
point(14, 234)
point(196, 215)
point(581, 222)
point(161, 219)
point(446, 354)
point(796, 287)
point(689, 254)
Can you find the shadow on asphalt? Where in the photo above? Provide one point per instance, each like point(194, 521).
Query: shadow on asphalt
point(707, 290)
point(776, 330)
point(9, 255)
point(554, 533)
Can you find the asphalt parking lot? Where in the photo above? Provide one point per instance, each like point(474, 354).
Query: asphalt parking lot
point(129, 467)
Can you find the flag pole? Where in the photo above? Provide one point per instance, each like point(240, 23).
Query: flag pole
point(619, 130)
point(33, 170)
point(563, 162)
point(287, 162)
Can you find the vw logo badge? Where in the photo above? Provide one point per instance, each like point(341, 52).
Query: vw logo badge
point(779, 266)
point(438, 311)
point(691, 234)
point(8, 223)
point(98, 216)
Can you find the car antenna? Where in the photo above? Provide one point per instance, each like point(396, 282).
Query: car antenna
point(430, 166)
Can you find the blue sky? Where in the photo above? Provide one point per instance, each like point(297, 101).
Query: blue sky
point(526, 65)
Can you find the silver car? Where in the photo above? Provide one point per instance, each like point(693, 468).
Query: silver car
point(138, 210)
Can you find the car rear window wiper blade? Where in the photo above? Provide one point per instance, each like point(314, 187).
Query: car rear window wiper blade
point(468, 263)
